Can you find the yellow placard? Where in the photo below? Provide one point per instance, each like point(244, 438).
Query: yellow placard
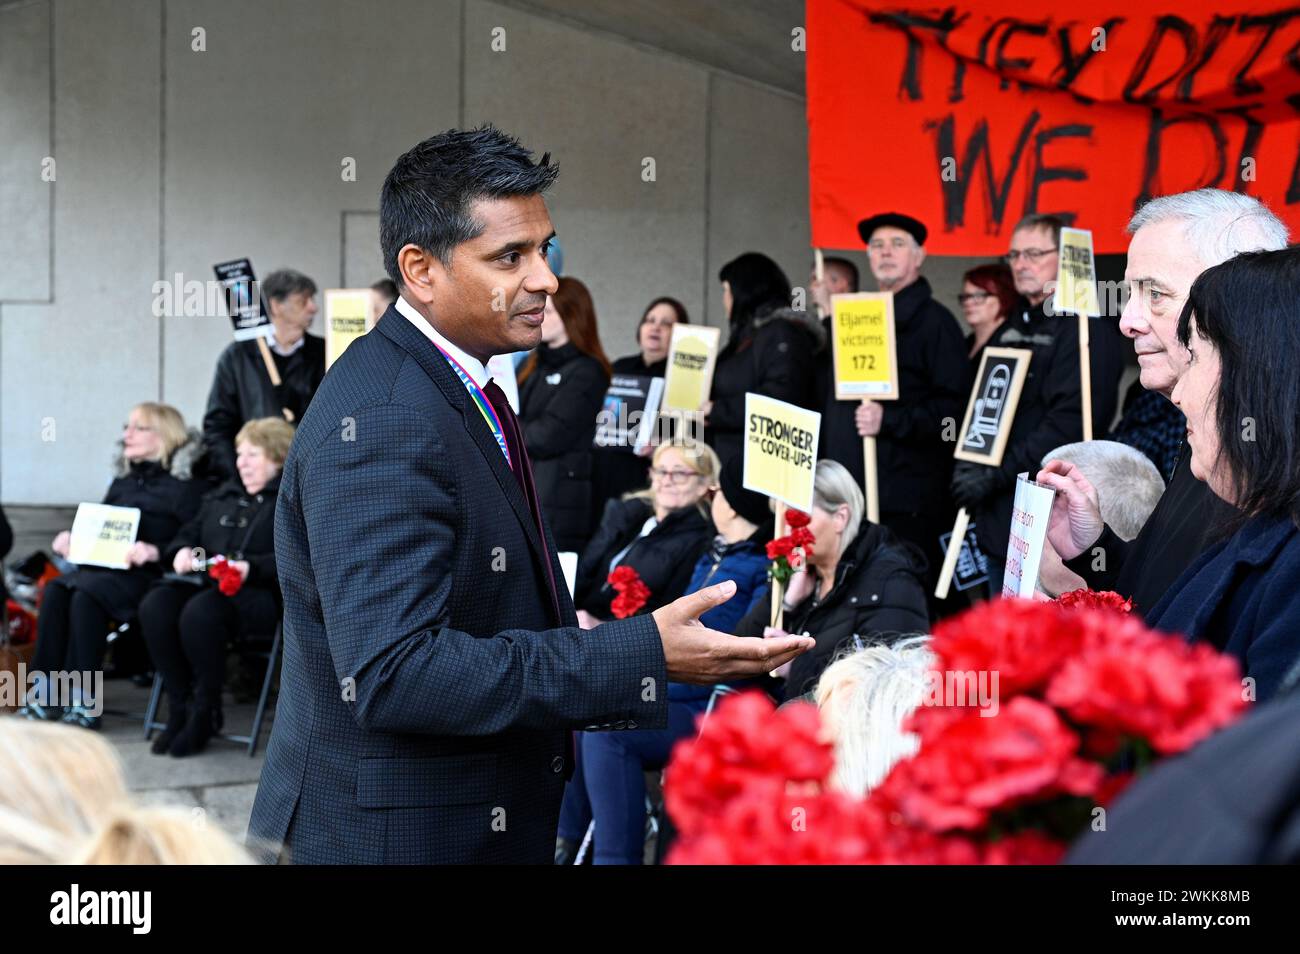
point(864, 347)
point(780, 450)
point(1076, 275)
point(102, 535)
point(691, 356)
point(347, 318)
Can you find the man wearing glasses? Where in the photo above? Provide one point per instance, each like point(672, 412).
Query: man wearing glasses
point(1051, 403)
point(912, 457)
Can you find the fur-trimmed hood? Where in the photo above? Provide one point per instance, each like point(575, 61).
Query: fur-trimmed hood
point(183, 461)
point(805, 320)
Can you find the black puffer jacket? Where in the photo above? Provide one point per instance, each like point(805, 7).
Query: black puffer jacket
point(239, 526)
point(664, 558)
point(878, 596)
point(558, 405)
point(773, 355)
point(242, 392)
point(167, 499)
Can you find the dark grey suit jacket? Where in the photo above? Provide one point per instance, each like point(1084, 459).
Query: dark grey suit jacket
point(428, 691)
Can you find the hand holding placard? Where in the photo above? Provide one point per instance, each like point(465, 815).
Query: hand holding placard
point(1030, 515)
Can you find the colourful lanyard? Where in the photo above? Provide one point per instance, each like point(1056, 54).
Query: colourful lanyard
point(482, 403)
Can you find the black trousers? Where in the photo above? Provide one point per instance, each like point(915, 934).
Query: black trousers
point(188, 628)
point(71, 631)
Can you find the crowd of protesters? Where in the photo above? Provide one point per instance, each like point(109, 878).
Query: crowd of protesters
point(1191, 509)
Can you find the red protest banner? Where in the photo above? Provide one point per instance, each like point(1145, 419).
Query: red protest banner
point(971, 114)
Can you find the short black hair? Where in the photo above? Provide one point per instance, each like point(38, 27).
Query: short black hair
point(386, 287)
point(1248, 308)
point(844, 265)
point(427, 194)
point(757, 286)
point(283, 282)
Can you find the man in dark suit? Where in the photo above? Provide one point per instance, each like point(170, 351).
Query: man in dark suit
point(433, 667)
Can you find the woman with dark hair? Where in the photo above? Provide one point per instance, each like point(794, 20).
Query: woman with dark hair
point(618, 470)
point(770, 349)
point(988, 293)
point(561, 389)
point(1241, 396)
point(653, 336)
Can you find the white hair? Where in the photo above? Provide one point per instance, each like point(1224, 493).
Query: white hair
point(864, 698)
point(1220, 224)
point(834, 487)
point(1128, 484)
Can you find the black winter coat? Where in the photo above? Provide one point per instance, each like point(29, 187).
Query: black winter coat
point(934, 380)
point(233, 524)
point(772, 354)
point(664, 558)
point(167, 498)
point(878, 596)
point(1050, 412)
point(242, 392)
point(616, 471)
point(558, 406)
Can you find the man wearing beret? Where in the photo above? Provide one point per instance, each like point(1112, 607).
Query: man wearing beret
point(913, 459)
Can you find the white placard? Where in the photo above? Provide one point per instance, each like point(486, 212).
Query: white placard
point(1029, 516)
point(102, 535)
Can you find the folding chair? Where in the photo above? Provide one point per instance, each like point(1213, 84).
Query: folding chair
point(272, 657)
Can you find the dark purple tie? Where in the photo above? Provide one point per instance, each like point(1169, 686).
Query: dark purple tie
point(523, 470)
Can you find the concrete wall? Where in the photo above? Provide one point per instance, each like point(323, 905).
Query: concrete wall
point(170, 159)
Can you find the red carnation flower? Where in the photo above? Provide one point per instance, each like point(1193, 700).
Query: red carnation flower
point(796, 519)
point(746, 745)
point(972, 765)
point(229, 580)
point(1089, 599)
point(632, 592)
point(1162, 689)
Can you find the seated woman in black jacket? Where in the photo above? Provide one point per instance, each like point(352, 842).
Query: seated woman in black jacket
point(187, 623)
point(862, 585)
point(561, 389)
point(659, 532)
point(79, 608)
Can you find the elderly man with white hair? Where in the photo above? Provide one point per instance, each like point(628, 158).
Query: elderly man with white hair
point(1175, 238)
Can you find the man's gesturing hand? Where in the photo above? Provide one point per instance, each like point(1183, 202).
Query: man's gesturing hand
point(1075, 523)
point(697, 654)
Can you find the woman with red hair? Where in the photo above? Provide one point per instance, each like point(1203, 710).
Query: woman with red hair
point(988, 293)
point(561, 391)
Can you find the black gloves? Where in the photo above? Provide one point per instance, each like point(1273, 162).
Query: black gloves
point(972, 484)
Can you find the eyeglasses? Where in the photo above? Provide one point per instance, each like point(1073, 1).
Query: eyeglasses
point(673, 476)
point(976, 297)
point(1030, 255)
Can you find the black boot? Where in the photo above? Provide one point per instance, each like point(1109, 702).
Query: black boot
point(177, 715)
point(204, 722)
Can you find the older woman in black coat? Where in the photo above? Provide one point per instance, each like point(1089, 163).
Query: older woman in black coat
point(79, 608)
point(1241, 396)
point(862, 584)
point(188, 620)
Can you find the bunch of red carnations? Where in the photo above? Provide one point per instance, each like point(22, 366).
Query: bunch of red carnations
point(1086, 697)
point(631, 589)
point(229, 580)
